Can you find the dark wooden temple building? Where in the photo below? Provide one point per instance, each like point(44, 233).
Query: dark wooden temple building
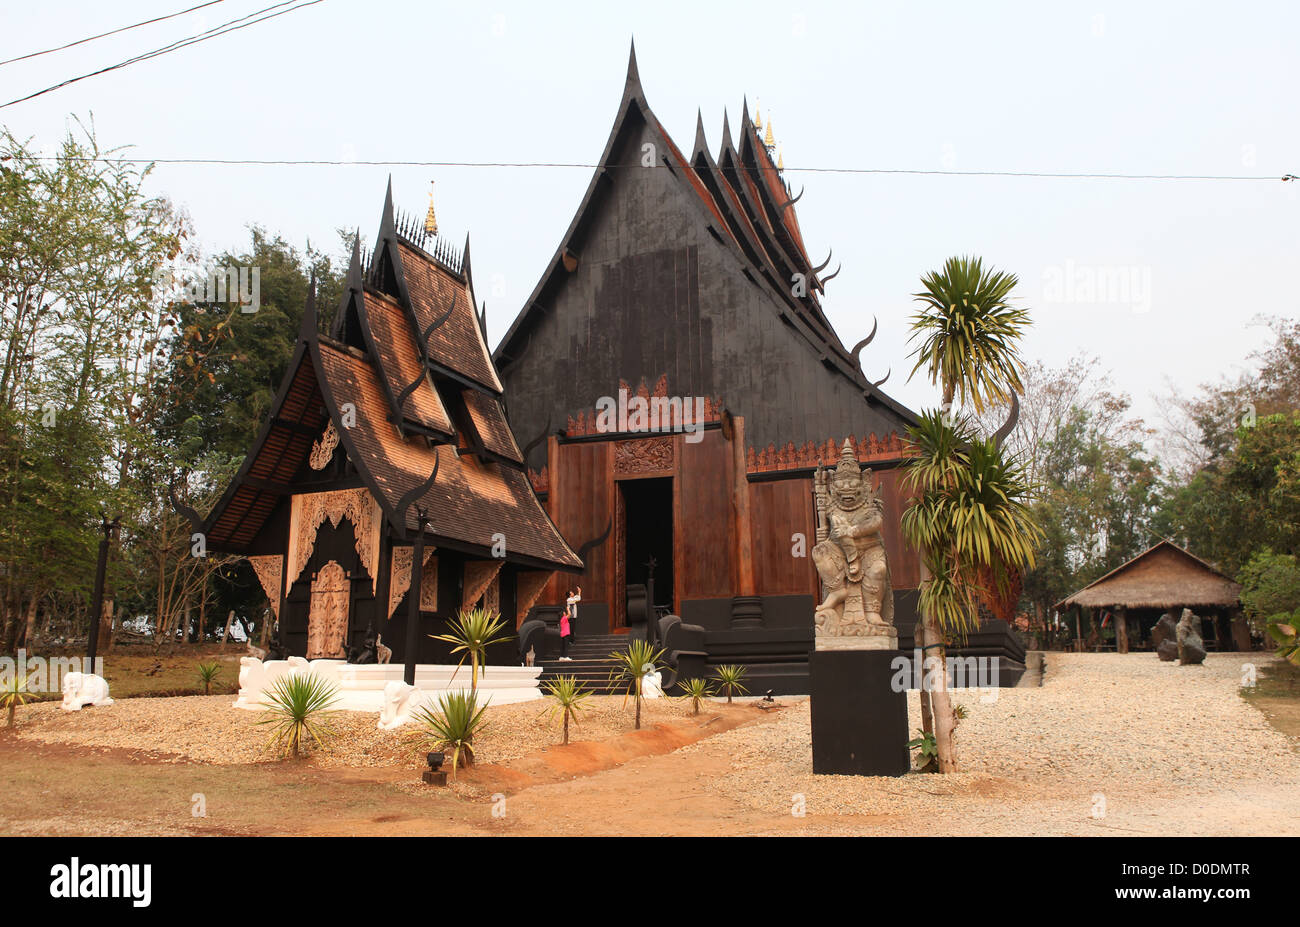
point(684, 280)
point(327, 501)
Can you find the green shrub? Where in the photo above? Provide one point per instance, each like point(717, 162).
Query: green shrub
point(300, 706)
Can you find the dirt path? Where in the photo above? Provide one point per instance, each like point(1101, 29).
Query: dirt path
point(1110, 746)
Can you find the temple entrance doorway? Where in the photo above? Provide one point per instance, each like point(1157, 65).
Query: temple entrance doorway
point(645, 535)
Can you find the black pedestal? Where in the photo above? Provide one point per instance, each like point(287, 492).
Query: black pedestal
point(859, 724)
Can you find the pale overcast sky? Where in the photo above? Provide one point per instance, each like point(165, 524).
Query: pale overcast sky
point(1147, 88)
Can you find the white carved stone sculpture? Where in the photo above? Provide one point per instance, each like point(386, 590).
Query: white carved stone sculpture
point(858, 611)
point(252, 679)
point(400, 699)
point(652, 685)
point(81, 689)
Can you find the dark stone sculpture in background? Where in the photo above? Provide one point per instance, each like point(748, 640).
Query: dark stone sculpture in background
point(1165, 637)
point(1191, 646)
point(274, 649)
point(368, 652)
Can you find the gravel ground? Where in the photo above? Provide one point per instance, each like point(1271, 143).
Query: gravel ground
point(208, 730)
point(1126, 727)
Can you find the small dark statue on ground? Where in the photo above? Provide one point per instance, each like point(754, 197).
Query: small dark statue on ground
point(368, 651)
point(1191, 646)
point(274, 649)
point(1165, 636)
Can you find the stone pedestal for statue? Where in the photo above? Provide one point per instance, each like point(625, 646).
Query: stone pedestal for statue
point(859, 721)
point(859, 724)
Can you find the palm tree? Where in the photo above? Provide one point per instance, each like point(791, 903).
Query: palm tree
point(473, 631)
point(969, 517)
point(569, 695)
point(631, 666)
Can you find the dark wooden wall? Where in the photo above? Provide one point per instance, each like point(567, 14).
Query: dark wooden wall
point(781, 509)
point(704, 519)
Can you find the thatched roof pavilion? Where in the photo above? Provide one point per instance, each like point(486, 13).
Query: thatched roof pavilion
point(1163, 577)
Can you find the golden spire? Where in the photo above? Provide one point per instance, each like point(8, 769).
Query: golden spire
point(780, 160)
point(769, 140)
point(430, 220)
point(758, 115)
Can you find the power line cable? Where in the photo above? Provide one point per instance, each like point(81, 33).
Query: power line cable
point(318, 162)
point(214, 32)
point(92, 38)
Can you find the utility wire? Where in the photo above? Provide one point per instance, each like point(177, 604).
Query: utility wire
point(92, 38)
point(214, 32)
point(302, 162)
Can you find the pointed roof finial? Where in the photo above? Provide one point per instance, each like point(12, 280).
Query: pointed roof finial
point(633, 76)
point(758, 114)
point(769, 141)
point(430, 220)
point(780, 160)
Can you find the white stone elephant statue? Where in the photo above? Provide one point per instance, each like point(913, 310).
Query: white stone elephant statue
point(81, 689)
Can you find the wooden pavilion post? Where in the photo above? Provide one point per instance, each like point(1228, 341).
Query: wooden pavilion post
point(1121, 629)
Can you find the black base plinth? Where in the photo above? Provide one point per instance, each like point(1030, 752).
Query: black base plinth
point(859, 723)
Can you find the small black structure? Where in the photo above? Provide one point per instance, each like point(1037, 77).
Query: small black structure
point(859, 719)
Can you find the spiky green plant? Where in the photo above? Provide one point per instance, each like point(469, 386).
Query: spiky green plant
point(15, 693)
point(631, 666)
point(969, 332)
point(458, 719)
point(730, 678)
point(208, 672)
point(300, 707)
point(697, 689)
point(471, 632)
point(969, 346)
point(569, 695)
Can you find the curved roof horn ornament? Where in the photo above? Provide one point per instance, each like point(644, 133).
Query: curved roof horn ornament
point(881, 382)
point(788, 203)
point(824, 264)
point(1012, 418)
point(857, 348)
point(825, 280)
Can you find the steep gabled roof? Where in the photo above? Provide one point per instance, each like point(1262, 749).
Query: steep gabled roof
point(739, 203)
point(408, 411)
point(1162, 576)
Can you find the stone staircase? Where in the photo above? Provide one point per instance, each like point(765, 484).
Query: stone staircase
point(590, 662)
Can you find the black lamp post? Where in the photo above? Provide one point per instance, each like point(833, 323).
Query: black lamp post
point(413, 597)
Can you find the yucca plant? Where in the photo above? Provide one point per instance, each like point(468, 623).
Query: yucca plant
point(697, 690)
point(208, 672)
point(969, 346)
point(458, 719)
point(15, 693)
point(969, 332)
point(472, 632)
point(300, 707)
point(569, 695)
point(631, 666)
point(730, 678)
